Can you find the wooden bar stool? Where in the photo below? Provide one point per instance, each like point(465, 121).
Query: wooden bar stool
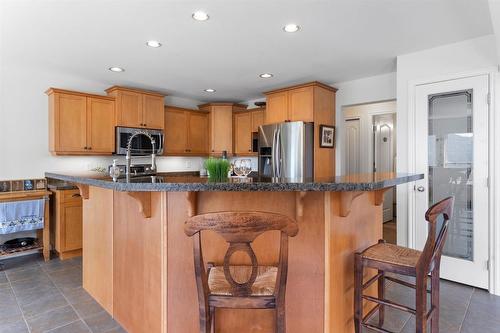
point(218, 287)
point(400, 260)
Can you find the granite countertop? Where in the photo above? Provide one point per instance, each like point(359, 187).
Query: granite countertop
point(165, 182)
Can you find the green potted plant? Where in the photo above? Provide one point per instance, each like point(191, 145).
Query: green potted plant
point(217, 169)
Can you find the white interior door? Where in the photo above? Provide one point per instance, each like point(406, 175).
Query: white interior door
point(352, 146)
point(451, 146)
point(383, 155)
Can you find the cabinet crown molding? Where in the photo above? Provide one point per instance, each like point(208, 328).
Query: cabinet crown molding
point(303, 85)
point(51, 91)
point(234, 105)
point(140, 91)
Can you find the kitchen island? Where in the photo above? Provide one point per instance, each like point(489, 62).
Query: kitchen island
point(138, 263)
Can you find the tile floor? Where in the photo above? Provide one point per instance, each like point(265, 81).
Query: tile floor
point(41, 297)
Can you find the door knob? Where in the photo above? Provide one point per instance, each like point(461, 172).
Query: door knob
point(421, 189)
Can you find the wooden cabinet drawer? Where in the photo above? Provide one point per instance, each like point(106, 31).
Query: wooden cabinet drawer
point(71, 196)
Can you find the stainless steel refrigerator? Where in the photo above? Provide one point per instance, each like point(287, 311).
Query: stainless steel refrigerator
point(286, 150)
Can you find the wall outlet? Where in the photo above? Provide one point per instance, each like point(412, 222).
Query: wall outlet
point(188, 164)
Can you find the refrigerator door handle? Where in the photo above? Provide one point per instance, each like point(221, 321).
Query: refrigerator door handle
point(273, 154)
point(279, 160)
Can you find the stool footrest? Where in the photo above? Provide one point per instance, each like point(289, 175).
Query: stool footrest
point(371, 280)
point(389, 303)
point(370, 313)
point(376, 328)
point(404, 283)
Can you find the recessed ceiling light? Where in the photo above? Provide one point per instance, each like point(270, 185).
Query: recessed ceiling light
point(153, 43)
point(116, 69)
point(200, 16)
point(291, 27)
point(210, 90)
point(266, 75)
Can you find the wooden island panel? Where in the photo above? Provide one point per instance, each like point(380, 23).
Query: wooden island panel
point(152, 286)
point(138, 279)
point(98, 246)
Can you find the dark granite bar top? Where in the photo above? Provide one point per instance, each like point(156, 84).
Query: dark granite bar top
point(164, 182)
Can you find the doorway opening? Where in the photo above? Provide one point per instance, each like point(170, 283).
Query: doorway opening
point(370, 146)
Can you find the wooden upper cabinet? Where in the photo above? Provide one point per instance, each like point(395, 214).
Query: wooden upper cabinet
point(308, 102)
point(138, 108)
point(221, 126)
point(197, 132)
point(276, 108)
point(80, 123)
point(221, 130)
point(100, 119)
point(242, 133)
point(295, 103)
point(70, 122)
point(257, 119)
point(300, 104)
point(153, 111)
point(175, 131)
point(186, 132)
point(129, 109)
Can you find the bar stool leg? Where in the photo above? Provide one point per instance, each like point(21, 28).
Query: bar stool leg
point(280, 318)
point(358, 292)
point(421, 300)
point(435, 300)
point(212, 318)
point(381, 292)
point(205, 324)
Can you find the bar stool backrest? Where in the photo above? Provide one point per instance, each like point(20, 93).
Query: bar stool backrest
point(431, 255)
point(240, 229)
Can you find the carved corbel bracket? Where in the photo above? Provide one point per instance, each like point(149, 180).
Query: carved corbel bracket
point(84, 190)
point(346, 199)
point(379, 195)
point(299, 205)
point(191, 198)
point(144, 201)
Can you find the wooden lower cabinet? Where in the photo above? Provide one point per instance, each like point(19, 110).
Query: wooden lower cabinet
point(67, 223)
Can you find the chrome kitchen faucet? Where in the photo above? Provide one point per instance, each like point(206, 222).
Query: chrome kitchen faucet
point(129, 148)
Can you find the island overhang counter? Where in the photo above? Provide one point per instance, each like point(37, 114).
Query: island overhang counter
point(138, 263)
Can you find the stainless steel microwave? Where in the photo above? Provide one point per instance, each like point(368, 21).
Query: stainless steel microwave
point(141, 144)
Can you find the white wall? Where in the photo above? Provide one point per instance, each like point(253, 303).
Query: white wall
point(495, 20)
point(471, 55)
point(366, 90)
point(24, 151)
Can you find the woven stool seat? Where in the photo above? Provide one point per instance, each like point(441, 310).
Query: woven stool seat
point(392, 254)
point(263, 286)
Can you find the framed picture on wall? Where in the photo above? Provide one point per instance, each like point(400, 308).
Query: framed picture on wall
point(326, 136)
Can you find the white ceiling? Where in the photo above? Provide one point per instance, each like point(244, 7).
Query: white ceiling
point(339, 40)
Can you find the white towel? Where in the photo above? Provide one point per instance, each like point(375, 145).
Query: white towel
point(21, 215)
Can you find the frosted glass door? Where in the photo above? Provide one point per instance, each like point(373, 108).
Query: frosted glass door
point(451, 150)
point(450, 141)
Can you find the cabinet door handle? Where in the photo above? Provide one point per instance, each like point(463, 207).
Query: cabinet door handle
point(85, 148)
point(76, 195)
point(90, 148)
